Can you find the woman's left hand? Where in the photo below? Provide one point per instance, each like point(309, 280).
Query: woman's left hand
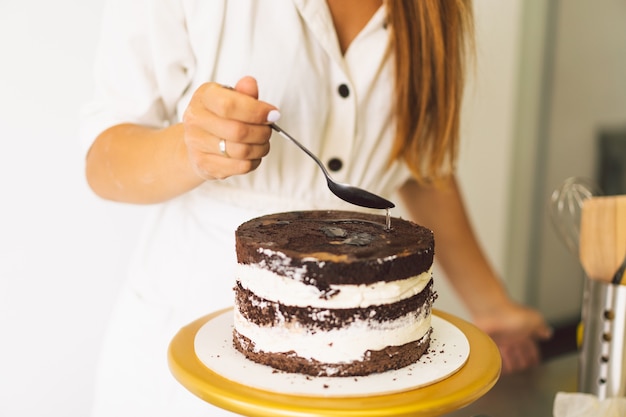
point(517, 330)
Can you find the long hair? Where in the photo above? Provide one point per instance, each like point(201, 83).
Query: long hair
point(429, 39)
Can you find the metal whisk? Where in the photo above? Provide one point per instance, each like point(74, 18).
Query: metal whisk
point(565, 207)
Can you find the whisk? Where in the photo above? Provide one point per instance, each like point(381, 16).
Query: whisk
point(565, 209)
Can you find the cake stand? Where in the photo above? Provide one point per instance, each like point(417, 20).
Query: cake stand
point(474, 378)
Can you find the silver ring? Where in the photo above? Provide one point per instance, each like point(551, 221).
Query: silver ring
point(222, 146)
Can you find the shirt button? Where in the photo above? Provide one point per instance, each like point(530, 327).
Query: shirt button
point(335, 164)
point(343, 90)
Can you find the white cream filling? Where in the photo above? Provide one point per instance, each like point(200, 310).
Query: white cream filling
point(292, 292)
point(336, 346)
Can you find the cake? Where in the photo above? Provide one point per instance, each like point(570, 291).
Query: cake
point(333, 293)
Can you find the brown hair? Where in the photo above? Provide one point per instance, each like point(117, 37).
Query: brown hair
point(429, 39)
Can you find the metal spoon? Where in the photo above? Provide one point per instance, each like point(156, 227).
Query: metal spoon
point(346, 192)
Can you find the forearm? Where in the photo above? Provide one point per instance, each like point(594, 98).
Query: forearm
point(457, 250)
point(137, 164)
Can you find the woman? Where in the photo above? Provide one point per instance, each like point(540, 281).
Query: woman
point(373, 89)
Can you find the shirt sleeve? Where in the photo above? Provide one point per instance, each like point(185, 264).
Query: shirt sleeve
point(142, 67)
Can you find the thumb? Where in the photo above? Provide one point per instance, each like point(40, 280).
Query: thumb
point(546, 332)
point(248, 85)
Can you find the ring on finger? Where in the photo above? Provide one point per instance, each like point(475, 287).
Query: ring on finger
point(222, 148)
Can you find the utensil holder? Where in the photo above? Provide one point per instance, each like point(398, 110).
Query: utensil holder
point(602, 356)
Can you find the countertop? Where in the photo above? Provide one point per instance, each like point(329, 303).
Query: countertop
point(527, 394)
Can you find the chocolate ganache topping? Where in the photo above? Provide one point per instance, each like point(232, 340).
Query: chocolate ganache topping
point(354, 248)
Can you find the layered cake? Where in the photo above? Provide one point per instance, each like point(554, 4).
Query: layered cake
point(333, 293)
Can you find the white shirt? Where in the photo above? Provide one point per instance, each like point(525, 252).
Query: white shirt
point(156, 53)
point(153, 56)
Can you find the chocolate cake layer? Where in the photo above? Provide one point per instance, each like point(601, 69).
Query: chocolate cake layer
point(263, 312)
point(390, 358)
point(335, 247)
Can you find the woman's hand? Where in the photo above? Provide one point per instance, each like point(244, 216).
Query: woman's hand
point(140, 164)
point(227, 131)
point(516, 330)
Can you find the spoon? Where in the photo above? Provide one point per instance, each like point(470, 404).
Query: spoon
point(346, 192)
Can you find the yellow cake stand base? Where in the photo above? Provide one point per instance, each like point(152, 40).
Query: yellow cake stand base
point(473, 380)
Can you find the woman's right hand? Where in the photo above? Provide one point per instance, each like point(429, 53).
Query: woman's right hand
point(234, 116)
point(141, 164)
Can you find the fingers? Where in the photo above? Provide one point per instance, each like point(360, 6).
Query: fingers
point(228, 114)
point(216, 167)
point(227, 130)
point(538, 328)
point(204, 130)
point(248, 86)
point(519, 356)
point(214, 158)
point(238, 105)
point(543, 331)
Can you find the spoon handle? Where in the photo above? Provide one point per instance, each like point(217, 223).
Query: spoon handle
point(308, 152)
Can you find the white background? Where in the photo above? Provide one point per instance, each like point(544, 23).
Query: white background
point(63, 252)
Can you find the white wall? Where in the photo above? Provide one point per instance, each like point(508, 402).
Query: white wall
point(587, 94)
point(63, 252)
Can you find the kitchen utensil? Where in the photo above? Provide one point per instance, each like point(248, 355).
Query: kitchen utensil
point(346, 192)
point(602, 359)
point(618, 278)
point(565, 207)
point(602, 246)
point(620, 231)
